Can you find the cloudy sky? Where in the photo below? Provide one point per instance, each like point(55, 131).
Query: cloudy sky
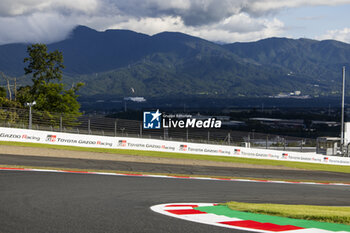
point(216, 20)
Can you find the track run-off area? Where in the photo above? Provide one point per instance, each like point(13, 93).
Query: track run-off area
point(222, 216)
point(64, 201)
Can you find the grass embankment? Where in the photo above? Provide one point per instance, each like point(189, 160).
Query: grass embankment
point(329, 214)
point(266, 162)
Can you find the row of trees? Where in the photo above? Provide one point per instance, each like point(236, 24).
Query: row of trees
point(45, 70)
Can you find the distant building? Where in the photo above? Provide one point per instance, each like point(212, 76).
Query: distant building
point(136, 99)
point(233, 123)
point(281, 123)
point(325, 123)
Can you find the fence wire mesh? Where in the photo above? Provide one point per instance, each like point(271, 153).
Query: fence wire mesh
point(95, 124)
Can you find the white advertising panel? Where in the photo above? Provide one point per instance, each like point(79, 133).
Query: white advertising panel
point(82, 140)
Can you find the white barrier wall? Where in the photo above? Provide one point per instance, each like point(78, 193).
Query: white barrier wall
point(82, 140)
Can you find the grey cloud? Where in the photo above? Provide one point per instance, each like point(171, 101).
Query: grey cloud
point(203, 12)
point(50, 20)
point(213, 12)
point(13, 8)
point(193, 13)
point(39, 27)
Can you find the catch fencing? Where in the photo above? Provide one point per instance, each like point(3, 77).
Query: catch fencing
point(95, 124)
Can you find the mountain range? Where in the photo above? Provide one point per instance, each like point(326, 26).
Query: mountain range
point(169, 64)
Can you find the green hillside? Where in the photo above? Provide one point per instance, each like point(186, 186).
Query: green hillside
point(169, 64)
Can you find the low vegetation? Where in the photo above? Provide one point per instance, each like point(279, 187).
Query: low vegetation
point(329, 214)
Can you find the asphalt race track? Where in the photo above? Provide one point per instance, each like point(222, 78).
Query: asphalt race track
point(35, 202)
point(172, 168)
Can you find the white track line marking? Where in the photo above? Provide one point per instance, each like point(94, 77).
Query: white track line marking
point(169, 176)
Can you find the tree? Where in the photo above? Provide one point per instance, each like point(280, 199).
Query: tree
point(3, 92)
point(50, 95)
point(43, 66)
point(7, 78)
point(7, 108)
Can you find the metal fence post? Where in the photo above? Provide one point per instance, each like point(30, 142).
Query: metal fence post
point(164, 134)
point(141, 130)
point(208, 136)
point(186, 134)
point(61, 123)
point(89, 129)
point(267, 139)
point(301, 145)
point(229, 139)
point(115, 128)
point(30, 117)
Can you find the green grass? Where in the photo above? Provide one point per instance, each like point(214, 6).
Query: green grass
point(329, 214)
point(288, 164)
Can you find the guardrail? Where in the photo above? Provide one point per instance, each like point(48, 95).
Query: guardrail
point(57, 138)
